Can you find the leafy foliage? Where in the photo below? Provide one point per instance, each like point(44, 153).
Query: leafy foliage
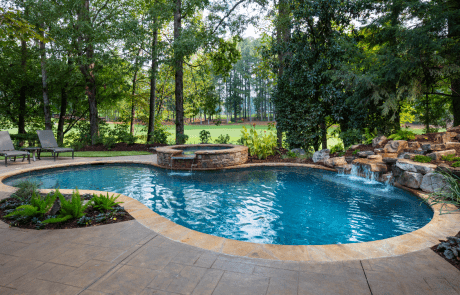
point(69, 209)
point(38, 206)
point(160, 135)
point(181, 138)
point(369, 136)
point(351, 137)
point(449, 193)
point(355, 152)
point(337, 148)
point(402, 135)
point(26, 189)
point(205, 136)
point(422, 159)
point(223, 139)
point(104, 203)
point(260, 145)
point(450, 158)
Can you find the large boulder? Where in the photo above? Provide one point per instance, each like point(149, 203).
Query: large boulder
point(411, 166)
point(452, 145)
point(395, 146)
point(410, 179)
point(433, 183)
point(375, 157)
point(378, 140)
point(438, 155)
point(373, 166)
point(321, 155)
point(444, 137)
point(334, 162)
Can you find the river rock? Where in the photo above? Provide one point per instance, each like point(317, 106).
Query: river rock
point(378, 140)
point(434, 183)
point(413, 144)
point(437, 155)
point(390, 161)
point(378, 151)
point(375, 157)
point(365, 154)
point(298, 151)
point(321, 155)
point(372, 165)
point(410, 179)
point(411, 166)
point(334, 162)
point(395, 146)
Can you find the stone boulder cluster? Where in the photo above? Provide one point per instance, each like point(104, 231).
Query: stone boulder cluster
point(393, 160)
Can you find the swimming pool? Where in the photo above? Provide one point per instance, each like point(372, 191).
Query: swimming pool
point(270, 205)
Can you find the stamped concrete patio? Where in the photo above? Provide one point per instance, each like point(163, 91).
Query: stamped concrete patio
point(128, 258)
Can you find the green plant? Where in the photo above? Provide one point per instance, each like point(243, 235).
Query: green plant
point(260, 145)
point(337, 148)
point(402, 135)
point(369, 136)
point(205, 136)
point(456, 164)
point(422, 159)
point(448, 193)
point(109, 142)
point(26, 188)
point(223, 139)
point(104, 203)
point(69, 209)
point(450, 158)
point(218, 122)
point(38, 206)
point(160, 135)
point(350, 137)
point(355, 152)
point(181, 138)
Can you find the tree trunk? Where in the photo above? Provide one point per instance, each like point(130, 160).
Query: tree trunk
point(455, 86)
point(153, 83)
point(179, 75)
point(427, 113)
point(22, 91)
point(133, 107)
point(60, 129)
point(46, 102)
point(324, 135)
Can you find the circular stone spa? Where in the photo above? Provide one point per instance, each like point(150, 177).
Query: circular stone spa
point(262, 204)
point(201, 156)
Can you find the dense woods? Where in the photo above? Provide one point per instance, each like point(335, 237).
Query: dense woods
point(360, 65)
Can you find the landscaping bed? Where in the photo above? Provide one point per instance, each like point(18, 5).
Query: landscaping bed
point(121, 147)
point(280, 156)
point(29, 209)
point(441, 248)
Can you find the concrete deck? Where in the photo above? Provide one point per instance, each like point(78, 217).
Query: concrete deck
point(128, 258)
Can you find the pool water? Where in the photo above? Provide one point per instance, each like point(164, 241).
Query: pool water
point(270, 205)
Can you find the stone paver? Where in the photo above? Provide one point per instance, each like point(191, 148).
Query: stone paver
point(128, 258)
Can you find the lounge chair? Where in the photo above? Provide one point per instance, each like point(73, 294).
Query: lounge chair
point(7, 148)
point(48, 143)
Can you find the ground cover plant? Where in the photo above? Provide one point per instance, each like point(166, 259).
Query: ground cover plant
point(27, 208)
point(422, 159)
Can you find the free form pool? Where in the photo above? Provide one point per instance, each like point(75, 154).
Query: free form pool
point(270, 205)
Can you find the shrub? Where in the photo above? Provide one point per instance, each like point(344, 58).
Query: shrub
point(402, 135)
point(104, 203)
point(69, 209)
point(205, 136)
point(260, 145)
point(218, 122)
point(181, 138)
point(26, 188)
point(450, 158)
point(223, 139)
point(337, 148)
point(369, 136)
point(121, 134)
point(422, 159)
point(160, 135)
point(351, 137)
point(38, 206)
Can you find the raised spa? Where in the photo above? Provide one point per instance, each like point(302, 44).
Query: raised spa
point(272, 205)
point(201, 156)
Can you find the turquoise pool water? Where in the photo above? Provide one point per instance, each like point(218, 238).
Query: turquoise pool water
point(271, 205)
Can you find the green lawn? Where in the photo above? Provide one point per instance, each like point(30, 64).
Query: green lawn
point(94, 154)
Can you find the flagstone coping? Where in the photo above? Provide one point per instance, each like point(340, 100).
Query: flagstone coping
point(441, 226)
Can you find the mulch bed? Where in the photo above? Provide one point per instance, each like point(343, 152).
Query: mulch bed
point(119, 216)
point(455, 262)
point(121, 147)
point(278, 158)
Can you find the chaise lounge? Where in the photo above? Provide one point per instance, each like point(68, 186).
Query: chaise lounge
point(7, 149)
point(48, 143)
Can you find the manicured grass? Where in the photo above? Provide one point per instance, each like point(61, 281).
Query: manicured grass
point(93, 154)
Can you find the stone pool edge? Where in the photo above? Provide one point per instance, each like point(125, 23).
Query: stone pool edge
point(438, 228)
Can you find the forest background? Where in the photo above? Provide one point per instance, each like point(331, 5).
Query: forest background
point(325, 71)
